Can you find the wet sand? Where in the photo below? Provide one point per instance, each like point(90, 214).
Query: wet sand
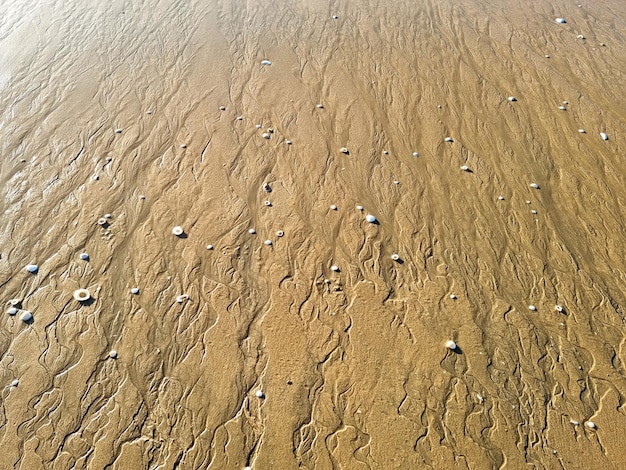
point(114, 109)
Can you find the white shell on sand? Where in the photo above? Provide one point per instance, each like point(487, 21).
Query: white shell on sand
point(512, 98)
point(259, 394)
point(465, 168)
point(222, 108)
point(280, 233)
point(268, 203)
point(453, 296)
point(178, 230)
point(118, 131)
point(533, 211)
point(102, 221)
point(559, 308)
point(288, 142)
point(344, 150)
point(181, 298)
point(266, 135)
point(532, 308)
point(500, 198)
point(449, 139)
point(580, 36)
point(15, 302)
point(15, 383)
point(416, 154)
point(134, 290)
point(395, 257)
point(534, 185)
point(84, 256)
point(82, 295)
point(26, 316)
point(450, 344)
point(334, 268)
point(32, 268)
point(590, 424)
point(359, 208)
point(370, 218)
point(562, 108)
point(251, 231)
point(209, 247)
point(266, 62)
point(268, 242)
point(320, 106)
point(604, 136)
point(12, 311)
point(582, 131)
point(560, 20)
point(333, 207)
point(113, 354)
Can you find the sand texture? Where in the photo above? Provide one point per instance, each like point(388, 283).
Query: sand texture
point(317, 351)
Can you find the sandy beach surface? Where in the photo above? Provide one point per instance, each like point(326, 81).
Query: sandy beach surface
point(283, 330)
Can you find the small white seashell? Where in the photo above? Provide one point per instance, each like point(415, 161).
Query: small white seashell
point(344, 150)
point(500, 198)
point(288, 142)
point(590, 424)
point(113, 354)
point(604, 136)
point(102, 221)
point(582, 131)
point(580, 36)
point(181, 298)
point(534, 185)
point(209, 247)
point(465, 168)
point(178, 230)
point(107, 216)
point(26, 316)
point(239, 118)
point(532, 308)
point(395, 257)
point(562, 108)
point(266, 135)
point(258, 126)
point(12, 311)
point(512, 98)
point(222, 108)
point(142, 197)
point(448, 139)
point(415, 154)
point(334, 268)
point(453, 296)
point(266, 62)
point(251, 231)
point(280, 233)
point(533, 211)
point(574, 422)
point(134, 290)
point(32, 268)
point(559, 308)
point(561, 20)
point(118, 131)
point(320, 106)
point(333, 207)
point(15, 383)
point(450, 345)
point(268, 242)
point(480, 398)
point(84, 256)
point(385, 152)
point(370, 218)
point(82, 295)
point(259, 394)
point(183, 146)
point(359, 208)
point(15, 302)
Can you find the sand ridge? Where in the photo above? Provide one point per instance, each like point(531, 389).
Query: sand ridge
point(115, 109)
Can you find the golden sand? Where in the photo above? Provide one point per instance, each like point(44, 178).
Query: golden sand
point(254, 354)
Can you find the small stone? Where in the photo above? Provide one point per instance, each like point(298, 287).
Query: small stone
point(512, 98)
point(15, 302)
point(259, 394)
point(604, 136)
point(222, 108)
point(333, 207)
point(183, 146)
point(268, 242)
point(103, 222)
point(181, 298)
point(142, 197)
point(268, 203)
point(448, 139)
point(395, 257)
point(239, 118)
point(559, 308)
point(15, 383)
point(113, 354)
point(266, 62)
point(334, 268)
point(532, 308)
point(288, 142)
point(32, 268)
point(590, 425)
point(134, 290)
point(118, 131)
point(280, 233)
point(344, 150)
point(453, 296)
point(534, 185)
point(26, 316)
point(561, 20)
point(451, 345)
point(178, 230)
point(533, 211)
point(12, 311)
point(266, 135)
point(416, 154)
point(580, 36)
point(582, 131)
point(500, 198)
point(370, 218)
point(251, 231)
point(209, 247)
point(359, 208)
point(84, 256)
point(385, 152)
point(335, 17)
point(320, 106)
point(562, 108)
point(465, 168)
point(574, 422)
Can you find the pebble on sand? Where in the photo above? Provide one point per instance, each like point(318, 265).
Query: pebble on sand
point(512, 98)
point(344, 150)
point(359, 208)
point(288, 142)
point(12, 311)
point(559, 308)
point(102, 221)
point(259, 394)
point(32, 268)
point(500, 198)
point(395, 257)
point(534, 185)
point(118, 131)
point(604, 136)
point(280, 233)
point(266, 135)
point(561, 20)
point(451, 345)
point(582, 131)
point(26, 316)
point(84, 256)
point(15, 302)
point(416, 154)
point(266, 62)
point(333, 207)
point(134, 290)
point(15, 383)
point(465, 168)
point(453, 296)
point(448, 139)
point(268, 203)
point(251, 231)
point(209, 247)
point(370, 218)
point(268, 242)
point(590, 424)
point(178, 230)
point(181, 298)
point(82, 295)
point(113, 354)
point(222, 108)
point(334, 268)
point(319, 106)
point(532, 308)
